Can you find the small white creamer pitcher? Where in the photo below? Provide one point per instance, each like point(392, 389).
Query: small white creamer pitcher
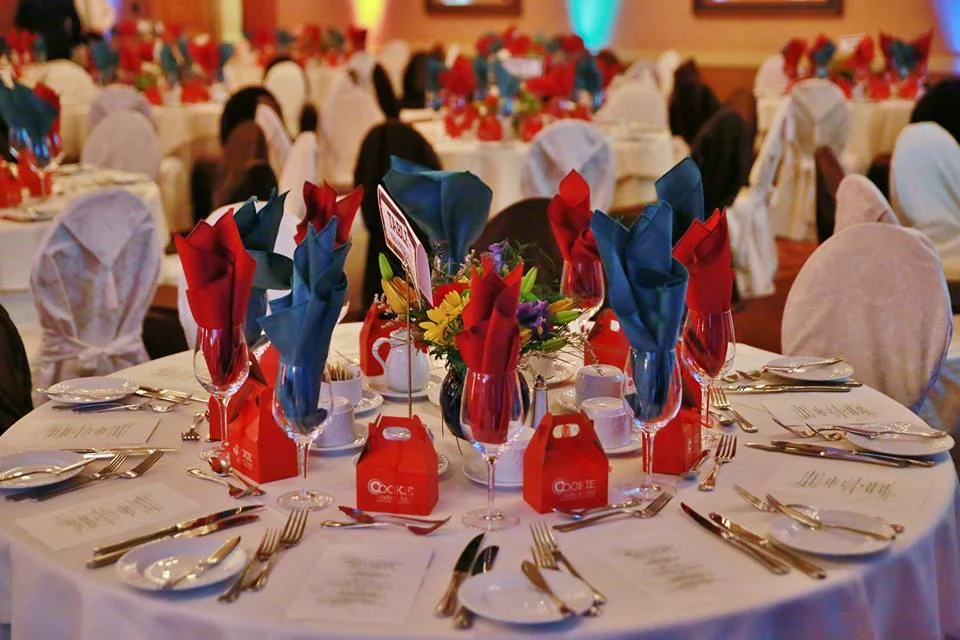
point(395, 366)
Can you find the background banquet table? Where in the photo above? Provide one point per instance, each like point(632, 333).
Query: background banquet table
point(910, 591)
point(20, 241)
point(874, 124)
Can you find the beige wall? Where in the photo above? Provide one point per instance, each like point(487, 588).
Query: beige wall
point(644, 26)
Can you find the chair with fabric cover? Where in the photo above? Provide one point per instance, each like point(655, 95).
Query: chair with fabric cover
point(244, 171)
point(348, 113)
point(745, 103)
point(278, 140)
point(288, 84)
point(829, 173)
point(92, 280)
point(562, 147)
point(645, 72)
point(879, 173)
point(817, 116)
point(771, 80)
point(117, 97)
point(390, 138)
point(301, 167)
point(242, 106)
point(859, 201)
point(394, 55)
point(162, 332)
point(637, 101)
point(124, 140)
point(722, 151)
point(667, 65)
point(941, 104)
point(525, 223)
point(15, 399)
point(415, 81)
point(691, 105)
point(70, 81)
point(876, 294)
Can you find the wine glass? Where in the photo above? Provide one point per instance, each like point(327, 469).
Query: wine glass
point(583, 283)
point(221, 366)
point(654, 395)
point(302, 406)
point(491, 415)
point(42, 155)
point(707, 348)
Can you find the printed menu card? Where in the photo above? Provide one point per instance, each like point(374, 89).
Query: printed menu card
point(75, 430)
point(359, 583)
point(829, 409)
point(857, 487)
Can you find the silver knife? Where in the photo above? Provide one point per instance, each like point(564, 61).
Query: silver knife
point(109, 558)
point(774, 564)
point(792, 450)
point(463, 618)
point(448, 603)
point(860, 454)
point(175, 528)
point(215, 558)
point(804, 565)
point(793, 388)
point(181, 397)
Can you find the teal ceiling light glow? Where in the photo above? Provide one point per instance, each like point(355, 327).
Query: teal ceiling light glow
point(594, 20)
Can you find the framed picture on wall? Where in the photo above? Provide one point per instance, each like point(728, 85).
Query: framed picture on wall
point(768, 6)
point(476, 7)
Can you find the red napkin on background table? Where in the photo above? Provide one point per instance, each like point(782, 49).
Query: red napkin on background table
point(705, 251)
point(357, 37)
point(194, 91)
point(322, 205)
point(459, 79)
point(489, 129)
point(792, 54)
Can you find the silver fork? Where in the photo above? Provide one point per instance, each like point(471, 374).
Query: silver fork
point(546, 560)
point(805, 432)
point(543, 537)
point(268, 546)
point(106, 472)
point(142, 468)
point(290, 536)
point(648, 511)
point(191, 434)
point(726, 451)
point(718, 398)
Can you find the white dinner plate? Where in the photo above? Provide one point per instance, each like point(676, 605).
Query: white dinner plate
point(476, 471)
point(370, 401)
point(148, 566)
point(507, 596)
point(27, 461)
point(89, 390)
point(634, 445)
point(831, 542)
point(378, 384)
point(897, 445)
point(830, 373)
point(356, 443)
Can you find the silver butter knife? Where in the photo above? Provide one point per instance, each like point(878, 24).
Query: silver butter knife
point(848, 456)
point(463, 618)
point(813, 570)
point(816, 448)
point(790, 388)
point(215, 558)
point(771, 562)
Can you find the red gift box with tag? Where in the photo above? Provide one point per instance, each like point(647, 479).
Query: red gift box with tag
point(378, 323)
point(678, 444)
point(564, 465)
point(10, 193)
point(607, 341)
point(397, 469)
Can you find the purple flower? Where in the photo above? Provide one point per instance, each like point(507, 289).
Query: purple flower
point(497, 250)
point(533, 314)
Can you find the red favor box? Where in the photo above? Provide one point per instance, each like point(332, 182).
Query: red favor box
point(678, 444)
point(564, 465)
point(260, 449)
point(378, 323)
point(10, 194)
point(397, 469)
point(608, 342)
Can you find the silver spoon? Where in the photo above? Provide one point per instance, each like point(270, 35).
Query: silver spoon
point(223, 469)
point(235, 491)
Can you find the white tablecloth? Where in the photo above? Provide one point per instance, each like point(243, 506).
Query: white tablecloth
point(19, 241)
point(875, 125)
point(911, 591)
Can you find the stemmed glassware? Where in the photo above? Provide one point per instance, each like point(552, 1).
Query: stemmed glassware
point(303, 406)
point(707, 349)
point(41, 155)
point(221, 366)
point(654, 397)
point(491, 414)
point(583, 283)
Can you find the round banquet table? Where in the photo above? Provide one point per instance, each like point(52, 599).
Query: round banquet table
point(910, 591)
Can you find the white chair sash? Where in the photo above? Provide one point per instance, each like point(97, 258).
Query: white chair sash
point(278, 141)
point(637, 101)
point(124, 140)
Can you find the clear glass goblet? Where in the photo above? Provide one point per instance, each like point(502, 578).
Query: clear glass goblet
point(707, 349)
point(221, 365)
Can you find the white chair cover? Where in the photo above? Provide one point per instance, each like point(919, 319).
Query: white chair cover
point(97, 16)
point(636, 100)
point(124, 140)
point(876, 294)
point(667, 65)
point(278, 140)
point(394, 56)
point(349, 111)
point(643, 70)
point(360, 67)
point(301, 167)
point(288, 84)
point(925, 188)
point(117, 97)
point(817, 116)
point(771, 79)
point(859, 200)
point(70, 81)
point(562, 147)
point(92, 280)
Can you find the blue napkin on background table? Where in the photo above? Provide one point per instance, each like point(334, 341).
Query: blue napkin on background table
point(21, 108)
point(105, 59)
point(682, 188)
point(507, 83)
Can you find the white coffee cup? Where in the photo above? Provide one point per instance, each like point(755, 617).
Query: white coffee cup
point(599, 381)
point(351, 389)
point(339, 430)
point(611, 420)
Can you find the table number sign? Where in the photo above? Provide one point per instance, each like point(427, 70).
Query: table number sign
point(403, 242)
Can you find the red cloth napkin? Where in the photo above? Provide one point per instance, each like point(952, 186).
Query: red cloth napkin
point(572, 44)
point(569, 212)
point(322, 205)
point(557, 82)
point(194, 91)
point(459, 79)
point(878, 88)
point(518, 44)
point(489, 129)
point(129, 53)
point(863, 54)
point(206, 55)
point(152, 94)
point(490, 340)
point(125, 28)
point(705, 251)
point(792, 54)
point(357, 37)
point(530, 127)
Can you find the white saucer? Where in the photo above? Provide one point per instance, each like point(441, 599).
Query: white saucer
point(562, 372)
point(476, 471)
point(356, 443)
point(89, 390)
point(379, 385)
point(507, 596)
point(831, 542)
point(897, 445)
point(370, 401)
point(35, 461)
point(634, 445)
point(567, 401)
point(147, 567)
point(831, 373)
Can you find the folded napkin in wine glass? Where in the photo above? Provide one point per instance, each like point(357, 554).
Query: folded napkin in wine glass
point(21, 108)
point(705, 252)
point(569, 213)
point(490, 340)
point(682, 188)
point(322, 205)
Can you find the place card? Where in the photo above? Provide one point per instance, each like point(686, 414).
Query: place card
point(677, 568)
point(363, 584)
point(826, 409)
point(851, 487)
point(54, 430)
point(106, 517)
